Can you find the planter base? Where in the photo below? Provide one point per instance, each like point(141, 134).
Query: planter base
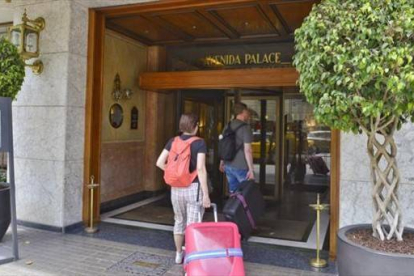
point(6, 256)
point(354, 259)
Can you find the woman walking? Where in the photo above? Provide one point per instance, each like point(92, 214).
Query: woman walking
point(183, 161)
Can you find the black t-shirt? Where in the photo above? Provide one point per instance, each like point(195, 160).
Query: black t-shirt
point(197, 147)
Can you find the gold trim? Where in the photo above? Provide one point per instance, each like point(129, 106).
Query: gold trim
point(37, 67)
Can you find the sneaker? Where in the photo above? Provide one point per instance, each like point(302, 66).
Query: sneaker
point(179, 257)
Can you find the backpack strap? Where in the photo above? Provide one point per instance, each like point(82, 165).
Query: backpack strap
point(240, 126)
point(246, 208)
point(173, 142)
point(188, 141)
point(237, 128)
point(192, 139)
point(235, 133)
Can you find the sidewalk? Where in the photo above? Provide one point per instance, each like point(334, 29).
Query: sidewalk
point(47, 253)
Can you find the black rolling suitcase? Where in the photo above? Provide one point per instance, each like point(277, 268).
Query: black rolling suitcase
point(244, 207)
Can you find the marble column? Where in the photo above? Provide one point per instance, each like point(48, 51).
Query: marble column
point(49, 114)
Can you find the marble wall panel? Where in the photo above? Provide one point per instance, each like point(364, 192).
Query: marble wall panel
point(31, 2)
point(106, 3)
point(39, 191)
point(6, 12)
point(39, 132)
point(355, 199)
point(76, 93)
point(356, 203)
point(78, 33)
point(122, 165)
point(75, 133)
point(49, 88)
point(407, 203)
point(73, 192)
point(354, 158)
point(405, 153)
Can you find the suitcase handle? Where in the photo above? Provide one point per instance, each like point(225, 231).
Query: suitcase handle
point(214, 205)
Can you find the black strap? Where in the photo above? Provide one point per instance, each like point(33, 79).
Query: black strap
point(237, 128)
point(198, 190)
point(239, 148)
point(235, 133)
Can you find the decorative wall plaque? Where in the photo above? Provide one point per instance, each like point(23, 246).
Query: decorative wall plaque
point(134, 118)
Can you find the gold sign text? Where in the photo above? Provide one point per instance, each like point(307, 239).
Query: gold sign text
point(246, 59)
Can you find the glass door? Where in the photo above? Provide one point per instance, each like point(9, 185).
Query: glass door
point(307, 147)
point(265, 123)
point(209, 106)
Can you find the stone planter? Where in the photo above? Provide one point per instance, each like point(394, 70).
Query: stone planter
point(5, 215)
point(354, 259)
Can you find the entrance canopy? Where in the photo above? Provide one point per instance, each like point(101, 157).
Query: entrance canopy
point(200, 36)
point(238, 78)
point(214, 21)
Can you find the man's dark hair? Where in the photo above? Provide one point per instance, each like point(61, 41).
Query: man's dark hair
point(239, 108)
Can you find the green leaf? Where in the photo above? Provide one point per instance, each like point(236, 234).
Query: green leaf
point(12, 71)
point(351, 54)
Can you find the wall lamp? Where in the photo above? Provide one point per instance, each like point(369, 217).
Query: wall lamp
point(119, 93)
point(25, 37)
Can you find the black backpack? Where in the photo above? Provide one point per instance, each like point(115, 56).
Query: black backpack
point(227, 143)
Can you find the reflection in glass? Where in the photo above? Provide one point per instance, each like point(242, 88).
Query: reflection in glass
point(31, 42)
point(15, 38)
point(116, 115)
point(307, 146)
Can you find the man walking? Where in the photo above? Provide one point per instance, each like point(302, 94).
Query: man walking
point(240, 167)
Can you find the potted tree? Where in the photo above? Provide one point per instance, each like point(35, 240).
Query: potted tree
point(355, 60)
point(11, 79)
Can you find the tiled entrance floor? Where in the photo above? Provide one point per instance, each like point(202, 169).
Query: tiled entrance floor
point(47, 253)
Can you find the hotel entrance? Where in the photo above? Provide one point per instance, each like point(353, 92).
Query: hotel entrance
point(205, 67)
point(286, 143)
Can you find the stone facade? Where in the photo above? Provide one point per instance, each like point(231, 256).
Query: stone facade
point(355, 196)
point(49, 114)
point(49, 117)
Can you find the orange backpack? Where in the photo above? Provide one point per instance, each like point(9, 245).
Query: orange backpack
point(177, 170)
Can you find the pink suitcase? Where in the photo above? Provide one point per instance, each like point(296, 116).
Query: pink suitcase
point(213, 249)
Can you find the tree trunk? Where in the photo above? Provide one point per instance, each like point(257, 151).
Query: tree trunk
point(387, 219)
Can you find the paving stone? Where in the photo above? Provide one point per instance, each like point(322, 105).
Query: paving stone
point(66, 254)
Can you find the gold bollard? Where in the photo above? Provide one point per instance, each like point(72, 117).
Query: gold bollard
point(318, 262)
point(91, 229)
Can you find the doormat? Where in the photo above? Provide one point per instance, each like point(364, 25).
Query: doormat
point(143, 264)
